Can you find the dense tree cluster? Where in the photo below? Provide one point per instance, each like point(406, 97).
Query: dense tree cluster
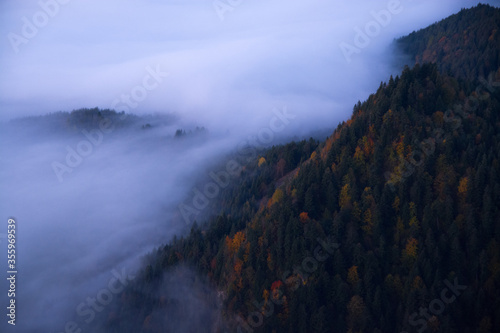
point(90, 119)
point(466, 45)
point(402, 235)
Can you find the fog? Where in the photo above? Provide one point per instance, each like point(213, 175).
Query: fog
point(113, 208)
point(233, 70)
point(262, 54)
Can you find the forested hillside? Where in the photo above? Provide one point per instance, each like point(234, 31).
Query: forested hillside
point(88, 119)
point(391, 224)
point(466, 44)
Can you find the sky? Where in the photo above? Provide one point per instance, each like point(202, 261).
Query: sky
point(227, 62)
point(235, 67)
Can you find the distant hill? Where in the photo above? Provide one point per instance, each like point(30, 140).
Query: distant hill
point(466, 45)
point(55, 124)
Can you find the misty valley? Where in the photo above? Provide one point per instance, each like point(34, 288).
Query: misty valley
point(246, 167)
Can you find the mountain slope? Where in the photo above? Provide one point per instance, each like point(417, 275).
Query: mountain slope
point(467, 44)
point(401, 240)
point(392, 224)
point(409, 192)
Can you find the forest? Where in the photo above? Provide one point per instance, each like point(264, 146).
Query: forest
point(390, 224)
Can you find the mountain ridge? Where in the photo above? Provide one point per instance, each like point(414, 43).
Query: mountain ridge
point(398, 207)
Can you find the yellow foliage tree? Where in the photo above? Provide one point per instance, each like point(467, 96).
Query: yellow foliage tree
point(345, 197)
point(277, 196)
point(356, 212)
point(463, 186)
point(387, 116)
point(400, 147)
point(359, 155)
point(411, 248)
point(265, 295)
point(368, 222)
point(395, 204)
point(238, 239)
point(414, 223)
point(262, 160)
point(270, 263)
point(352, 276)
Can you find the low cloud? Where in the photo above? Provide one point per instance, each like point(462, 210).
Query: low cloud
point(263, 54)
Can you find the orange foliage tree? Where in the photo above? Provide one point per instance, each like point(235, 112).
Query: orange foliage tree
point(304, 217)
